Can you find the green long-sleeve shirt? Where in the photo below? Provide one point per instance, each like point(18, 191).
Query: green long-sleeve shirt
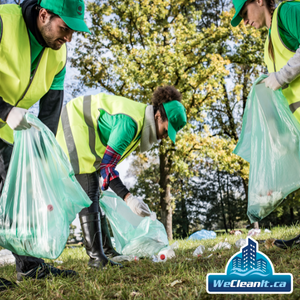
point(117, 131)
point(289, 24)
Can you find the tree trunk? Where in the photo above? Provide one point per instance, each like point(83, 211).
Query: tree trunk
point(165, 194)
point(292, 213)
point(184, 215)
point(222, 204)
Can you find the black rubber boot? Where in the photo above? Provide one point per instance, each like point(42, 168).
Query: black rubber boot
point(285, 244)
point(91, 229)
point(43, 271)
point(108, 248)
point(5, 284)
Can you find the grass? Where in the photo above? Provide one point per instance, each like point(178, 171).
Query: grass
point(147, 280)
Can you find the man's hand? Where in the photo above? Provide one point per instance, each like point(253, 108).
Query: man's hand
point(271, 82)
point(16, 119)
point(139, 207)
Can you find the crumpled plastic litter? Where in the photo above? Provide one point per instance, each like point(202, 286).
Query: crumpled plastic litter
point(235, 232)
point(6, 257)
point(241, 243)
point(134, 235)
point(59, 261)
point(199, 250)
point(221, 245)
point(175, 245)
point(254, 232)
point(269, 140)
point(121, 258)
point(203, 234)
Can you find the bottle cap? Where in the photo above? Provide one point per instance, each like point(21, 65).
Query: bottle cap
point(162, 257)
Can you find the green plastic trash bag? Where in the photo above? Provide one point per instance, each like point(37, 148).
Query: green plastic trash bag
point(133, 235)
point(270, 142)
point(40, 197)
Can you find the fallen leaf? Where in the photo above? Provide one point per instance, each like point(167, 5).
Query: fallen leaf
point(118, 294)
point(269, 243)
point(133, 294)
point(174, 283)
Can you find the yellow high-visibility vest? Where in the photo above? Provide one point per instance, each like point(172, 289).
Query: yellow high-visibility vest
point(17, 86)
point(78, 132)
point(282, 54)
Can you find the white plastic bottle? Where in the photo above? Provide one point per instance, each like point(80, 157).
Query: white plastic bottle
point(159, 258)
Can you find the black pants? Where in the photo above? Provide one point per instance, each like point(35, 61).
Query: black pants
point(89, 183)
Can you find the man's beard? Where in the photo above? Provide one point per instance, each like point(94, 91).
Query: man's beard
point(47, 34)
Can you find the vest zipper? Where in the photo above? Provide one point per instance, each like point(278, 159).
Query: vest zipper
point(31, 77)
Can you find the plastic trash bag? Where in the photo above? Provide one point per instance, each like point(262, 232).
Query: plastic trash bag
point(133, 235)
point(40, 197)
point(270, 142)
point(203, 235)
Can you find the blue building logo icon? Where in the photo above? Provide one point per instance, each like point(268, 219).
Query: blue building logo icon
point(249, 271)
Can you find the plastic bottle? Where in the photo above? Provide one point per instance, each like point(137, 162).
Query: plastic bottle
point(125, 258)
point(166, 253)
point(159, 258)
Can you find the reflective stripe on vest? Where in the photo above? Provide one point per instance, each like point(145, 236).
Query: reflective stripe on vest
point(87, 108)
point(282, 54)
point(73, 156)
point(78, 133)
point(17, 86)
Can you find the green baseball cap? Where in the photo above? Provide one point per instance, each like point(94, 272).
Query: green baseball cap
point(176, 115)
point(238, 5)
point(70, 11)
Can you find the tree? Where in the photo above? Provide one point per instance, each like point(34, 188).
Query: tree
point(136, 46)
point(72, 233)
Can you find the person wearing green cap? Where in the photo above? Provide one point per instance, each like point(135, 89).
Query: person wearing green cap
point(97, 133)
point(33, 59)
point(281, 53)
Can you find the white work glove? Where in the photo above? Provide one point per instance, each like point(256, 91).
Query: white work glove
point(272, 82)
point(16, 119)
point(139, 207)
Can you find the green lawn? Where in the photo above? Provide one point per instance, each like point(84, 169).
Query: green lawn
point(147, 280)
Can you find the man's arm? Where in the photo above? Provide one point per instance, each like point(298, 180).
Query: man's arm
point(51, 103)
point(50, 108)
point(5, 109)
